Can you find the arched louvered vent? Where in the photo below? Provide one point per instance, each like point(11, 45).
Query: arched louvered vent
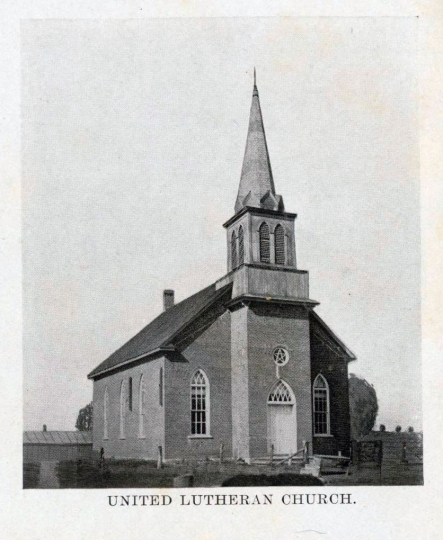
point(233, 251)
point(281, 394)
point(241, 246)
point(265, 243)
point(279, 238)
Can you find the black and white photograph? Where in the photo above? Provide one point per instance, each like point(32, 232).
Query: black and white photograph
point(208, 206)
point(221, 298)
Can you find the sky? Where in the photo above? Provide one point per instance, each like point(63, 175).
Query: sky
point(133, 134)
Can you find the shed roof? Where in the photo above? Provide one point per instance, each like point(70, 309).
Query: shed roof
point(57, 437)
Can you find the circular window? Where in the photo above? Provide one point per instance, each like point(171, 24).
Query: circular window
point(281, 356)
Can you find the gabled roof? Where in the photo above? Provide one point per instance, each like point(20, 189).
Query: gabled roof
point(331, 335)
point(57, 437)
point(158, 335)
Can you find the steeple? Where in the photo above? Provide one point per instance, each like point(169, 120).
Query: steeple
point(257, 188)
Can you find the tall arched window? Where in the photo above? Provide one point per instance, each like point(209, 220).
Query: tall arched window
point(105, 413)
point(321, 406)
point(279, 239)
point(200, 404)
point(265, 243)
point(233, 250)
point(122, 409)
point(160, 387)
point(241, 246)
point(141, 409)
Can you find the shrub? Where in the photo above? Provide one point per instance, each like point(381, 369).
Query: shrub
point(398, 429)
point(382, 427)
point(363, 406)
point(410, 429)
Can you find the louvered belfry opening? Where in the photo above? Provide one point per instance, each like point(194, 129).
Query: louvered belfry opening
point(279, 238)
point(241, 246)
point(265, 243)
point(233, 251)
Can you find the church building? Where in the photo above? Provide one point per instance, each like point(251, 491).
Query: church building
point(246, 362)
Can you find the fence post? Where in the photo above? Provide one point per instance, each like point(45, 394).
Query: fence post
point(102, 458)
point(271, 459)
point(160, 458)
point(305, 452)
point(222, 447)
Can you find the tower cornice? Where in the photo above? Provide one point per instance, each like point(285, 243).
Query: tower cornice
point(265, 212)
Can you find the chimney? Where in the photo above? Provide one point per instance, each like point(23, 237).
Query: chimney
point(168, 299)
point(44, 427)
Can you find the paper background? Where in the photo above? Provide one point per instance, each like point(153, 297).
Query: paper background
point(379, 512)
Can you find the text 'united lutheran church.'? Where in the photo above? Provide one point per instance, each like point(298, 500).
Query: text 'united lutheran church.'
point(246, 362)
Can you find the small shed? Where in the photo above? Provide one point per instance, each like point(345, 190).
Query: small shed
point(56, 445)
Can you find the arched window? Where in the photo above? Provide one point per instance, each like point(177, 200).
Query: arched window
point(241, 246)
point(233, 250)
point(321, 406)
point(122, 409)
point(105, 413)
point(130, 393)
point(265, 243)
point(279, 239)
point(281, 393)
point(200, 403)
point(160, 387)
point(141, 409)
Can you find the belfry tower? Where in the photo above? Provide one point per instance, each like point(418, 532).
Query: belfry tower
point(258, 209)
point(270, 303)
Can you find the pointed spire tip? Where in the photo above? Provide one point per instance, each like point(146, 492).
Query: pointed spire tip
point(255, 90)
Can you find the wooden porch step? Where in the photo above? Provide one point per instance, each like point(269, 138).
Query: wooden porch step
point(276, 458)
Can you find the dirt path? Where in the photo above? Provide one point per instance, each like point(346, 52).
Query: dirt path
point(48, 477)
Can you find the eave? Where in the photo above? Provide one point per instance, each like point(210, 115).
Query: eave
point(260, 212)
point(157, 351)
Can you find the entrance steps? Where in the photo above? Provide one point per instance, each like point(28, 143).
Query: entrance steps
point(276, 459)
point(313, 467)
point(319, 465)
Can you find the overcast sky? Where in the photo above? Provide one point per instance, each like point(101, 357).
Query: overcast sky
point(132, 143)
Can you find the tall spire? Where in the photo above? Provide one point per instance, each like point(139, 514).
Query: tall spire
point(256, 183)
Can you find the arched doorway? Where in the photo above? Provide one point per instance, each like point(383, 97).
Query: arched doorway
point(282, 419)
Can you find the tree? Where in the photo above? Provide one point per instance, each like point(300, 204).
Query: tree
point(398, 429)
point(84, 418)
point(410, 429)
point(363, 406)
point(382, 427)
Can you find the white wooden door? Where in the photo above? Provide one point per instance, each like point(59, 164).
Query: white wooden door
point(282, 420)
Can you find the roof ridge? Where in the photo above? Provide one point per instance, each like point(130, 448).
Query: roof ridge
point(158, 333)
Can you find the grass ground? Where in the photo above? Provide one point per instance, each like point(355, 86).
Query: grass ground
point(131, 473)
point(116, 473)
